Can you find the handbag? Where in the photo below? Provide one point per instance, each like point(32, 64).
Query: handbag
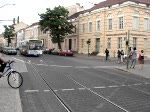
point(140, 57)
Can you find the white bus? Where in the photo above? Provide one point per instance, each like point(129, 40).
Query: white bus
point(31, 47)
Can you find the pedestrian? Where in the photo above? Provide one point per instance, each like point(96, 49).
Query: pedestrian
point(141, 59)
point(119, 56)
point(130, 53)
point(107, 53)
point(133, 58)
point(2, 65)
point(122, 56)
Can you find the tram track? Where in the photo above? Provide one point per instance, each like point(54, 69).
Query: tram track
point(88, 89)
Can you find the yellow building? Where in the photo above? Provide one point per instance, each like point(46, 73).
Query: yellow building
point(107, 23)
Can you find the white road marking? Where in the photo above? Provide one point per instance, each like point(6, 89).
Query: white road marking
point(40, 64)
point(138, 84)
point(55, 90)
point(81, 88)
point(82, 67)
point(147, 83)
point(18, 59)
point(29, 91)
point(60, 66)
point(113, 86)
point(100, 87)
point(67, 89)
point(46, 90)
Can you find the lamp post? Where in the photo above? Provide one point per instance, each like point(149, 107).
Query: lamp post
point(5, 5)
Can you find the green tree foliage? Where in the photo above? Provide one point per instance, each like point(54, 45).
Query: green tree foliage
point(57, 23)
point(8, 33)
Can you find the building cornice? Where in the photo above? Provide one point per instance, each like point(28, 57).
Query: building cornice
point(116, 6)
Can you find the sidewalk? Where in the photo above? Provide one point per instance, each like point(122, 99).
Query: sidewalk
point(9, 98)
point(145, 72)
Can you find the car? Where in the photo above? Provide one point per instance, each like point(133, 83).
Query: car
point(55, 51)
point(10, 50)
point(66, 53)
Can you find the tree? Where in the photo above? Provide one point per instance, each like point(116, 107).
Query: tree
point(56, 22)
point(8, 33)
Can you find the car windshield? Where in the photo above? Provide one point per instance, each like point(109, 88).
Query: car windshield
point(10, 48)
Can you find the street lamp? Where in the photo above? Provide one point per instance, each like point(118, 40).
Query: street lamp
point(5, 5)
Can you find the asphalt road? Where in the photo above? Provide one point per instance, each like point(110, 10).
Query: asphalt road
point(71, 84)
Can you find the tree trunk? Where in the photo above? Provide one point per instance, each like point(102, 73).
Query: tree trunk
point(9, 41)
point(59, 43)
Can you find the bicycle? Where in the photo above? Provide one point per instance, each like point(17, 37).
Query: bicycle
point(14, 79)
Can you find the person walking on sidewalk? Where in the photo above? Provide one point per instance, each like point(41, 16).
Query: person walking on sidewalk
point(141, 59)
point(122, 56)
point(133, 58)
point(119, 56)
point(107, 53)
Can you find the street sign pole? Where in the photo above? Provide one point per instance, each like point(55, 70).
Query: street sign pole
point(88, 49)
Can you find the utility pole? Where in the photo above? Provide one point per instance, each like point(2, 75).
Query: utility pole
point(88, 42)
point(127, 44)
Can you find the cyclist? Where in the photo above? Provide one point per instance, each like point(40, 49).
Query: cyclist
point(2, 65)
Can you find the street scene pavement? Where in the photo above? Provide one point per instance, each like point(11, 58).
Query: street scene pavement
point(10, 99)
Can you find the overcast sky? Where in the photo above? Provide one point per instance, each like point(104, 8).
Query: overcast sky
point(28, 10)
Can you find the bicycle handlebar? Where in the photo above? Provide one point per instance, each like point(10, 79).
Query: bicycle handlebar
point(10, 62)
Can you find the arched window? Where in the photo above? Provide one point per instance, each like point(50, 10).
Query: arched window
point(110, 21)
point(98, 23)
point(120, 20)
point(136, 20)
point(147, 21)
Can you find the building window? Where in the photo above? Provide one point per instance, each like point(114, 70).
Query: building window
point(90, 26)
point(82, 43)
point(75, 29)
point(134, 42)
point(83, 27)
point(65, 43)
point(146, 24)
point(136, 21)
point(119, 42)
point(147, 21)
point(121, 23)
point(110, 22)
point(109, 43)
point(121, 20)
point(145, 43)
point(74, 42)
point(98, 25)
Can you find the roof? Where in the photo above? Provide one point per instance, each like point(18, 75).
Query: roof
point(113, 2)
point(106, 4)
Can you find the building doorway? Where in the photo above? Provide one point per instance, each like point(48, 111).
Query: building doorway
point(97, 46)
point(70, 44)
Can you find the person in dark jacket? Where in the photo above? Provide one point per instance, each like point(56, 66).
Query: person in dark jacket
point(107, 53)
point(2, 65)
point(119, 56)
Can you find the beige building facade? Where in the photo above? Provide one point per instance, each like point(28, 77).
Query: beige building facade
point(107, 23)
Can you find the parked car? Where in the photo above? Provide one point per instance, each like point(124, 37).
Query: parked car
point(55, 51)
point(66, 53)
point(10, 50)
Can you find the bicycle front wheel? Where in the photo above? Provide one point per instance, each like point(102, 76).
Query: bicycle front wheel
point(15, 79)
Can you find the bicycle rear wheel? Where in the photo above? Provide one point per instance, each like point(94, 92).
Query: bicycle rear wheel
point(15, 79)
